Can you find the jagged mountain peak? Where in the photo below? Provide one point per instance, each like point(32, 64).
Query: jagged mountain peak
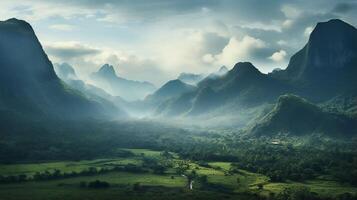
point(29, 83)
point(65, 71)
point(326, 65)
point(107, 70)
point(17, 26)
point(223, 70)
point(174, 82)
point(171, 89)
point(243, 68)
point(334, 35)
point(333, 25)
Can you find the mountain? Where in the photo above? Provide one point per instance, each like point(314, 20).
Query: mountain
point(296, 116)
point(222, 71)
point(67, 73)
point(244, 84)
point(28, 83)
point(322, 70)
point(327, 65)
point(189, 78)
point(130, 90)
point(169, 90)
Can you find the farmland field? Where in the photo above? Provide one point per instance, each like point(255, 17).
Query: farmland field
point(123, 183)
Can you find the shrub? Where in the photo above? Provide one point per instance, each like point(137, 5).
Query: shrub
point(98, 184)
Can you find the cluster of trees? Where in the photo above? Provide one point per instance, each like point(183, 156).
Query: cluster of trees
point(89, 140)
point(13, 178)
point(304, 193)
point(280, 162)
point(97, 184)
point(283, 163)
point(58, 174)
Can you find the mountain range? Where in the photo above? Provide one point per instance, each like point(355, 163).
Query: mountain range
point(129, 90)
point(323, 69)
point(320, 80)
point(29, 84)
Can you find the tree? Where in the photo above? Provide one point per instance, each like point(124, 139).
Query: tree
point(182, 166)
point(98, 184)
point(136, 186)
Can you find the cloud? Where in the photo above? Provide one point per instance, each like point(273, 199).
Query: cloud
point(135, 68)
point(70, 50)
point(308, 31)
point(261, 26)
point(239, 50)
point(169, 37)
point(278, 56)
point(208, 58)
point(290, 11)
point(282, 42)
point(344, 7)
point(87, 59)
point(62, 27)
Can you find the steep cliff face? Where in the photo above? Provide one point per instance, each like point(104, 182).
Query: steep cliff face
point(28, 82)
point(327, 65)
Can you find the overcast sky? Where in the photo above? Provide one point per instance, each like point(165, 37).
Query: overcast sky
point(155, 40)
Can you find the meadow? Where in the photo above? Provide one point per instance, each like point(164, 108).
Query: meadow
point(219, 181)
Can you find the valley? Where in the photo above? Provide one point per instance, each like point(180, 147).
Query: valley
point(79, 121)
point(72, 178)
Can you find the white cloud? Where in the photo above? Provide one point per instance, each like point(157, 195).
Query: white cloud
point(239, 50)
point(40, 10)
point(70, 50)
point(87, 59)
point(62, 27)
point(282, 42)
point(261, 26)
point(308, 31)
point(290, 11)
point(287, 23)
point(278, 56)
point(208, 58)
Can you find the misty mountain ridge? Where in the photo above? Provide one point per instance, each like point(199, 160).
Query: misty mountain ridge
point(67, 73)
point(243, 91)
point(190, 78)
point(29, 84)
point(107, 79)
point(307, 74)
point(244, 84)
point(296, 116)
point(169, 90)
point(194, 79)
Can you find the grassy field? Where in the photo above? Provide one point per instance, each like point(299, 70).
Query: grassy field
point(122, 182)
point(64, 166)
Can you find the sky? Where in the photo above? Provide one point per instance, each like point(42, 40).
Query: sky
point(156, 40)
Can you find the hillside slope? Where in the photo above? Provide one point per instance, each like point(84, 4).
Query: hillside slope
point(29, 84)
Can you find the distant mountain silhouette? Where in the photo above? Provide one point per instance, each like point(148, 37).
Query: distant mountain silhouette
point(243, 84)
point(107, 79)
point(28, 82)
point(169, 90)
point(323, 69)
point(67, 73)
point(189, 78)
point(193, 79)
